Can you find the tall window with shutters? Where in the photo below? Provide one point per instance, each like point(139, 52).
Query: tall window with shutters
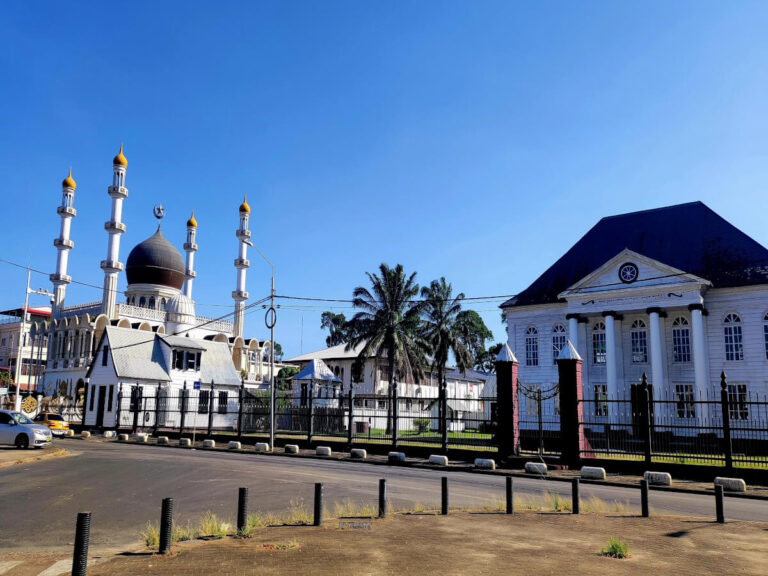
point(734, 343)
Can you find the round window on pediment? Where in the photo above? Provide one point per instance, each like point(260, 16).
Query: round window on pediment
point(628, 273)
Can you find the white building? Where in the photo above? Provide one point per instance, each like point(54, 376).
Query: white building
point(158, 299)
point(33, 346)
point(676, 293)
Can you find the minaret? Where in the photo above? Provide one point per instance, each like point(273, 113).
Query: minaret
point(242, 264)
point(112, 265)
point(63, 243)
point(190, 247)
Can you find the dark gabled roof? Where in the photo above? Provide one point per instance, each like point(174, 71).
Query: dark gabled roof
point(690, 237)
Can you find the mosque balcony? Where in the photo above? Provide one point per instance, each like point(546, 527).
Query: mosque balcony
point(240, 295)
point(241, 263)
point(112, 266)
point(66, 210)
point(63, 243)
point(190, 247)
point(60, 278)
point(140, 313)
point(243, 234)
point(118, 192)
point(112, 226)
point(191, 274)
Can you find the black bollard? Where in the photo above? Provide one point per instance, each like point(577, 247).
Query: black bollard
point(719, 507)
point(242, 511)
point(444, 492)
point(382, 498)
point(644, 498)
point(166, 525)
point(82, 535)
point(318, 504)
point(510, 497)
point(575, 500)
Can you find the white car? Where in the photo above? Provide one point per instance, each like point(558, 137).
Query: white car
point(18, 430)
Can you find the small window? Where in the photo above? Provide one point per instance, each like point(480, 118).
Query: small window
point(765, 335)
point(681, 340)
point(559, 340)
point(143, 302)
point(223, 402)
point(601, 400)
point(598, 343)
point(734, 344)
point(162, 304)
point(152, 302)
point(531, 347)
point(105, 355)
point(191, 361)
point(202, 402)
point(685, 401)
point(639, 340)
point(737, 402)
point(178, 360)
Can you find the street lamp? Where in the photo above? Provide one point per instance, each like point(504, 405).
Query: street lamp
point(22, 333)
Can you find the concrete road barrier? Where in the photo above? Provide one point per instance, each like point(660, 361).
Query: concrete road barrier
point(261, 447)
point(234, 445)
point(208, 443)
point(291, 448)
point(123, 437)
point(658, 478)
point(396, 457)
point(323, 451)
point(162, 440)
point(70, 433)
point(358, 454)
point(141, 438)
point(85, 434)
point(731, 484)
point(592, 473)
point(438, 459)
point(485, 463)
point(187, 442)
point(536, 468)
point(110, 434)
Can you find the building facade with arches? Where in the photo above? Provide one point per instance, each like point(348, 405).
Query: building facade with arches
point(675, 293)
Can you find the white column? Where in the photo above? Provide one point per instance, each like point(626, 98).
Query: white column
point(573, 331)
point(611, 356)
point(657, 363)
point(699, 351)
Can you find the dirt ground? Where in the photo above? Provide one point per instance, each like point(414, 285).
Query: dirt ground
point(528, 543)
point(11, 456)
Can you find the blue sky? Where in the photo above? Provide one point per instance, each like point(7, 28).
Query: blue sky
point(473, 140)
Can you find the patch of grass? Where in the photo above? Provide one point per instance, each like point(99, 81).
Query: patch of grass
point(212, 526)
point(151, 535)
point(298, 515)
point(272, 520)
point(615, 549)
point(349, 509)
point(183, 533)
point(292, 545)
point(557, 503)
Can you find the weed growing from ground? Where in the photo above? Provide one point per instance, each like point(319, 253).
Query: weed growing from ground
point(211, 526)
point(298, 515)
point(183, 533)
point(151, 535)
point(615, 549)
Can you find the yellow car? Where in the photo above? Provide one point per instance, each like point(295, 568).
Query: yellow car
point(54, 422)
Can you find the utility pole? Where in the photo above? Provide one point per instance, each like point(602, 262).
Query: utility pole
point(22, 333)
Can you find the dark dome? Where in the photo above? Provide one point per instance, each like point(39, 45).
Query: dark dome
point(155, 261)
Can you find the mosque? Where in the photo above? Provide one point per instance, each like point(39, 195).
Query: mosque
point(156, 313)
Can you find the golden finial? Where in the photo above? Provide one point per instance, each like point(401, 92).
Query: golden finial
point(244, 206)
point(120, 159)
point(69, 182)
point(192, 223)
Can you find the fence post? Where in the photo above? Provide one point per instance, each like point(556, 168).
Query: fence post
point(210, 411)
point(119, 404)
point(136, 393)
point(157, 410)
point(540, 422)
point(242, 510)
point(166, 526)
point(647, 428)
point(318, 504)
point(241, 397)
point(382, 497)
point(507, 411)
point(726, 408)
point(444, 415)
point(311, 422)
point(82, 536)
point(395, 412)
point(510, 496)
point(351, 418)
point(183, 408)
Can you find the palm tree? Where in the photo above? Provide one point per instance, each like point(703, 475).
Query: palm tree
point(388, 325)
point(443, 328)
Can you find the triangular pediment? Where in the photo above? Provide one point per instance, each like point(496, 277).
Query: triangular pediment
point(629, 270)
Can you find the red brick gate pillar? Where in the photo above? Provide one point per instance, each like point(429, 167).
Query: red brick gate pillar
point(573, 443)
point(507, 418)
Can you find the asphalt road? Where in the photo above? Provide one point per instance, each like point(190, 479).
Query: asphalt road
point(123, 485)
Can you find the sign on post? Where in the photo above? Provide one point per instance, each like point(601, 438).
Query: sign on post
point(196, 386)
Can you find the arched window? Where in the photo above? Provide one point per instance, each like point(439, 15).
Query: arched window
point(559, 339)
point(152, 302)
point(598, 343)
point(734, 343)
point(639, 339)
point(681, 340)
point(531, 347)
point(142, 302)
point(162, 304)
point(765, 334)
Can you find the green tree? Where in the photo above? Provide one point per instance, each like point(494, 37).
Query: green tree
point(488, 359)
point(278, 353)
point(388, 325)
point(284, 375)
point(473, 333)
point(337, 326)
point(442, 329)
